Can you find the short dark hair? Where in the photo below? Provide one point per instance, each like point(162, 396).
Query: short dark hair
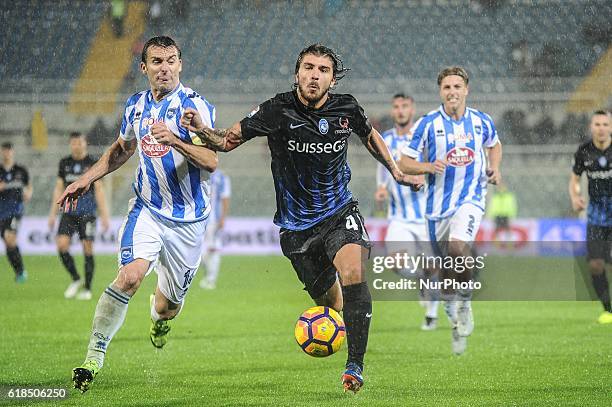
point(402, 95)
point(453, 70)
point(600, 112)
point(76, 134)
point(160, 41)
point(7, 145)
point(321, 50)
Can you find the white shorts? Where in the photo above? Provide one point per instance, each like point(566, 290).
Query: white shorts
point(212, 238)
point(406, 232)
point(173, 248)
point(462, 225)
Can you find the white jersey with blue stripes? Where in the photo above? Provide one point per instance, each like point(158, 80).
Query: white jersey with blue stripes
point(405, 205)
point(462, 144)
point(220, 188)
point(166, 182)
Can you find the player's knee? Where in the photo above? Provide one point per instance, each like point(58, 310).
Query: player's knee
point(597, 266)
point(128, 280)
point(88, 250)
point(351, 274)
point(10, 240)
point(63, 244)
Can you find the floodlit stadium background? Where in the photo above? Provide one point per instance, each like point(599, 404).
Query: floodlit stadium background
point(539, 68)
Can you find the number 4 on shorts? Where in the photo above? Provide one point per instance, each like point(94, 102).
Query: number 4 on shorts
point(350, 223)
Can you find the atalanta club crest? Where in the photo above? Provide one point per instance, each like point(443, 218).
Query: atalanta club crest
point(323, 126)
point(602, 161)
point(151, 148)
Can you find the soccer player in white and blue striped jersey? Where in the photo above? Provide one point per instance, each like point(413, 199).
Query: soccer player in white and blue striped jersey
point(220, 193)
point(455, 141)
point(406, 208)
point(166, 222)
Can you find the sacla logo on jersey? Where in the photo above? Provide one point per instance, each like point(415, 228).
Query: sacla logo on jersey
point(150, 147)
point(460, 156)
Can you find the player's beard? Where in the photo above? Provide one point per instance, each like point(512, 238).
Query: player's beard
point(404, 123)
point(312, 99)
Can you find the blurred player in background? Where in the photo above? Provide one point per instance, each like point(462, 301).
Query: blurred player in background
point(406, 208)
point(322, 231)
point(220, 193)
point(165, 226)
point(595, 157)
point(82, 220)
point(15, 191)
point(454, 139)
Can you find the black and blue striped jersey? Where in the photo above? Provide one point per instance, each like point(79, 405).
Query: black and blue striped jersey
point(309, 154)
point(598, 166)
point(12, 183)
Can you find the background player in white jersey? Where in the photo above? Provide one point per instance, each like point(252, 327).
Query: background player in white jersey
point(167, 219)
point(406, 208)
point(454, 140)
point(220, 193)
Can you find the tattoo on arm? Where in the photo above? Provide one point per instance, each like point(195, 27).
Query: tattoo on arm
point(221, 139)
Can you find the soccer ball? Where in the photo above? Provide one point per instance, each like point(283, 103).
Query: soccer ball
point(320, 331)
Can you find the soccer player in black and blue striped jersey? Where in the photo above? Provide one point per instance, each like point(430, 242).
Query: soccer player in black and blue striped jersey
point(322, 231)
point(15, 191)
point(595, 158)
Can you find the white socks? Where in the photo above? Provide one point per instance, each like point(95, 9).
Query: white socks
point(431, 309)
point(108, 318)
point(212, 262)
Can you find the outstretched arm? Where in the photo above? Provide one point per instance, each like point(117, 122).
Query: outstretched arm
point(575, 193)
point(116, 155)
point(495, 157)
point(215, 139)
point(411, 166)
point(378, 149)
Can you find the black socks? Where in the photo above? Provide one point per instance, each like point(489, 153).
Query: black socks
point(69, 264)
point(357, 314)
point(89, 271)
point(602, 288)
point(14, 257)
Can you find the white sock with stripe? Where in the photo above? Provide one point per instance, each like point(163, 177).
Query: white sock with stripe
point(108, 318)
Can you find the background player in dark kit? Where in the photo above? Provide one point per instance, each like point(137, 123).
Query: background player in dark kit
point(322, 231)
point(15, 190)
point(82, 220)
point(595, 157)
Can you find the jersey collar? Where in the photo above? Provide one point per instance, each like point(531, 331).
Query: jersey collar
point(309, 109)
point(152, 101)
point(447, 117)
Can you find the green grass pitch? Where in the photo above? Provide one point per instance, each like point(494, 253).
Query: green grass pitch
point(234, 346)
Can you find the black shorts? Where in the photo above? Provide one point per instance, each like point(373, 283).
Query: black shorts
point(599, 242)
point(312, 251)
point(10, 224)
point(84, 225)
